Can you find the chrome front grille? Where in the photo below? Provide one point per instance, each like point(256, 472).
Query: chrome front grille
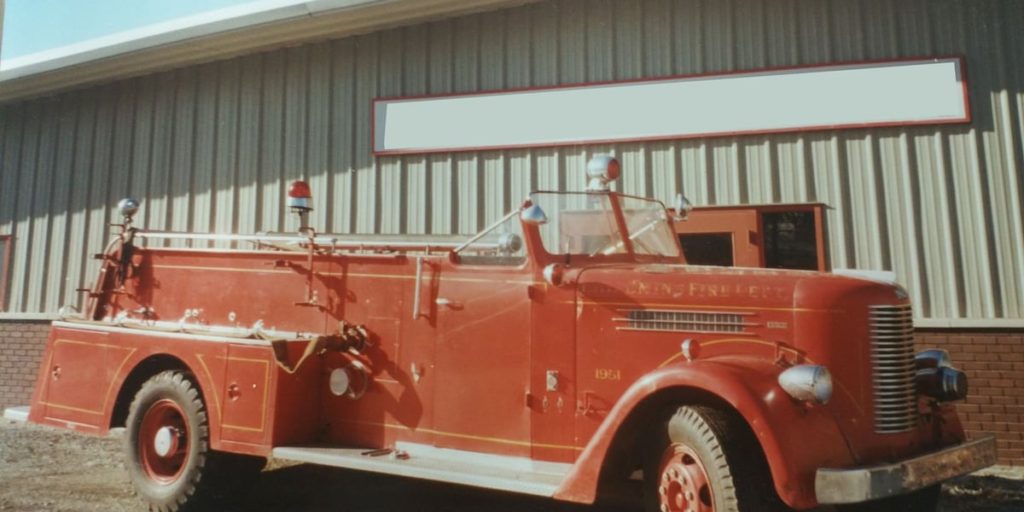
point(683, 321)
point(892, 358)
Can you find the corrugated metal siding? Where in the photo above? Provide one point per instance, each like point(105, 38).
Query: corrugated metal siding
point(213, 147)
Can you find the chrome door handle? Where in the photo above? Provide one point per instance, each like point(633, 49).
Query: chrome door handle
point(416, 292)
point(451, 304)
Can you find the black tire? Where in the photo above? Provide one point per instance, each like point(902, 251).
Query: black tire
point(922, 500)
point(167, 444)
point(705, 459)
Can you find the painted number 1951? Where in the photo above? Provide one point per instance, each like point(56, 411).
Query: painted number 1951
point(607, 374)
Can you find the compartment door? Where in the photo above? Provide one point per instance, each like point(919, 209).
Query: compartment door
point(79, 372)
point(245, 394)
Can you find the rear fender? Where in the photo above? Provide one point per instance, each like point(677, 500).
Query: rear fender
point(108, 373)
point(145, 366)
point(797, 438)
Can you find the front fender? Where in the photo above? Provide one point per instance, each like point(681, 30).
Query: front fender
point(797, 438)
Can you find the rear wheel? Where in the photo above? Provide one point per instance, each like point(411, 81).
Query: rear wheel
point(705, 460)
point(167, 444)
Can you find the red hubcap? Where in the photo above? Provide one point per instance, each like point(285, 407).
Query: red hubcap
point(683, 482)
point(164, 441)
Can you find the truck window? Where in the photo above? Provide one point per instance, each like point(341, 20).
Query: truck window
point(707, 248)
point(789, 240)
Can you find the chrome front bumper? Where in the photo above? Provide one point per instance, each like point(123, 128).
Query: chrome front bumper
point(835, 486)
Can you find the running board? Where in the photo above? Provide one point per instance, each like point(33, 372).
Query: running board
point(513, 474)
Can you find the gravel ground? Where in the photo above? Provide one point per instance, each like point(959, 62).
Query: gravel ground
point(46, 469)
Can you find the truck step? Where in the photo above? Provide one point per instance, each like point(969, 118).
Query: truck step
point(496, 472)
point(18, 414)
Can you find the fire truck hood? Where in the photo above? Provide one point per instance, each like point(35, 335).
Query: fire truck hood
point(755, 288)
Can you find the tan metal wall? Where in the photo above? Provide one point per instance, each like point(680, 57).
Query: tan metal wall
point(212, 147)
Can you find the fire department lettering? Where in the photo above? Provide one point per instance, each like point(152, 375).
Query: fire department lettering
point(696, 290)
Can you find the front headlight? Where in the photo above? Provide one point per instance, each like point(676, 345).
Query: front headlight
point(807, 383)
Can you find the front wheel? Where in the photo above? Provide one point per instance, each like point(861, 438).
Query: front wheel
point(167, 443)
point(705, 460)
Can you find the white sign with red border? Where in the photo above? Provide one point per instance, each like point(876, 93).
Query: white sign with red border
point(825, 97)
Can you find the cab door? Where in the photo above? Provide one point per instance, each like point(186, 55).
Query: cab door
point(553, 395)
point(482, 356)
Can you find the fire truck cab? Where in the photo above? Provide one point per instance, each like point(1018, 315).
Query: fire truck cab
point(566, 351)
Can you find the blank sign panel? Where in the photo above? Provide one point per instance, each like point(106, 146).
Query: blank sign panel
point(930, 91)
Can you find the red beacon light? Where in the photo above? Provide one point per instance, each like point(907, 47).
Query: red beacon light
point(300, 200)
point(299, 197)
point(601, 171)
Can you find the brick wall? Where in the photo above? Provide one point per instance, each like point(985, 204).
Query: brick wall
point(994, 362)
point(21, 347)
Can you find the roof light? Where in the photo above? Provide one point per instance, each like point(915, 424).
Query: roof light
point(602, 170)
point(299, 196)
point(127, 207)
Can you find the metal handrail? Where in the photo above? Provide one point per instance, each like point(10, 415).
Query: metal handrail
point(331, 242)
point(220, 237)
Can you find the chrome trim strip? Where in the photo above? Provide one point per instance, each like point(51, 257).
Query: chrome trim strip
point(681, 320)
point(640, 329)
point(702, 311)
point(685, 322)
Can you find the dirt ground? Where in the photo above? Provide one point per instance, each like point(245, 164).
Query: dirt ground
point(45, 469)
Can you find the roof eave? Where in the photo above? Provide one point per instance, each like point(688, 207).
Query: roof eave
point(287, 26)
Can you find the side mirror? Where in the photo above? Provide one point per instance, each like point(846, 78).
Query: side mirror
point(534, 215)
point(681, 208)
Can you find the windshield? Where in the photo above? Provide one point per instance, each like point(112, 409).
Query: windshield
point(585, 224)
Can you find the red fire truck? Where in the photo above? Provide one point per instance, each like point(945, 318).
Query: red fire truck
point(566, 351)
